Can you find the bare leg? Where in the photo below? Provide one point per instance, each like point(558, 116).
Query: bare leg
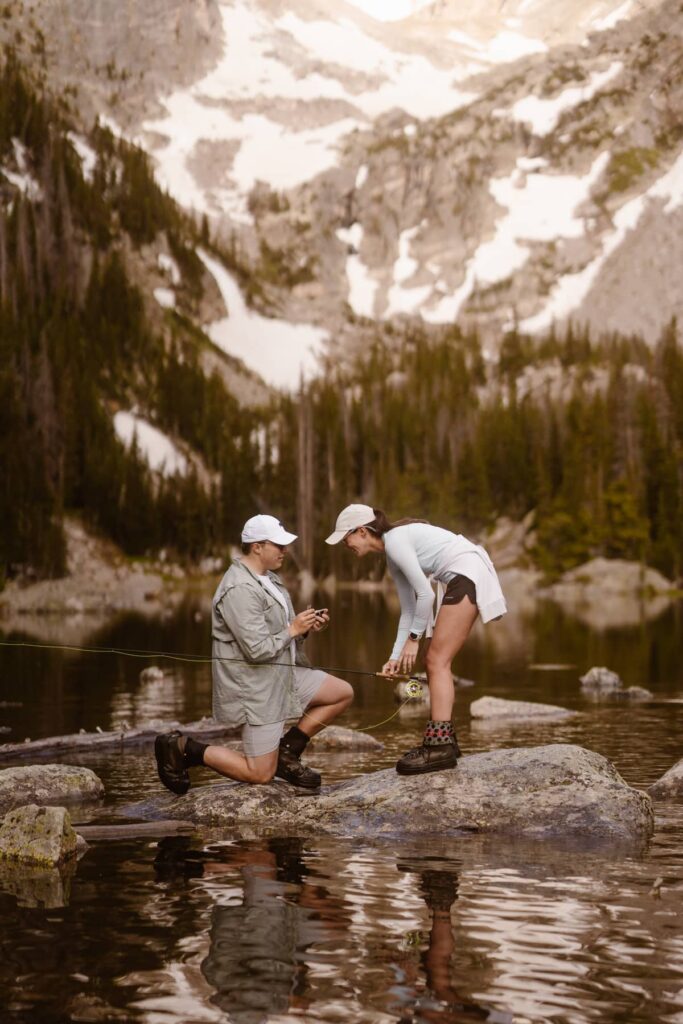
point(332, 698)
point(453, 625)
point(239, 766)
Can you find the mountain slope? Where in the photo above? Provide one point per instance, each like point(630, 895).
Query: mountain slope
point(558, 192)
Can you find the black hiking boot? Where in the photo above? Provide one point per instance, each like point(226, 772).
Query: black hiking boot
point(429, 758)
point(171, 764)
point(291, 769)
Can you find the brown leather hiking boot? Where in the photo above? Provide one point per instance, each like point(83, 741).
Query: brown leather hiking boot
point(429, 758)
point(171, 764)
point(292, 770)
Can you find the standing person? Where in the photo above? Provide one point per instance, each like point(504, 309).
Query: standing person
point(261, 676)
point(413, 549)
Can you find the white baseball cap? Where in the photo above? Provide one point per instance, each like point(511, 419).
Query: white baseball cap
point(350, 518)
point(266, 528)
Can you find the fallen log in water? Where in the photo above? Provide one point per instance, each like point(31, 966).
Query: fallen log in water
point(135, 830)
point(84, 742)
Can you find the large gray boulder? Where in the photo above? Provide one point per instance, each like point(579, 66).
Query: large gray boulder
point(47, 784)
point(670, 786)
point(496, 708)
point(540, 791)
point(37, 835)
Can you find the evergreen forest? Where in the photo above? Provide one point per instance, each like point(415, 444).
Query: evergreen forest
point(419, 423)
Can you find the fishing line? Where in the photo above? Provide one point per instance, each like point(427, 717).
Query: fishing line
point(413, 686)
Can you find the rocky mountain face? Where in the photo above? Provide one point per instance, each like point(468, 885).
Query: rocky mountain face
point(557, 192)
point(490, 163)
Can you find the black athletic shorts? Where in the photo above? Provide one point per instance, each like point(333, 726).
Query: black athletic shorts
point(458, 588)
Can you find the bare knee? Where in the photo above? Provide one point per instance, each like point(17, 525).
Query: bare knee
point(347, 695)
point(435, 662)
point(261, 774)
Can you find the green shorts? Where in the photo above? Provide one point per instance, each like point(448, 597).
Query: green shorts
point(262, 739)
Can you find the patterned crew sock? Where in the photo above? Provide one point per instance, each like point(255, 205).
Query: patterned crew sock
point(437, 733)
point(295, 740)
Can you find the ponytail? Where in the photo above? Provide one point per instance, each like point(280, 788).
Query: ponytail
point(381, 525)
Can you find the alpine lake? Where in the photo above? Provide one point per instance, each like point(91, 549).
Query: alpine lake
point(216, 926)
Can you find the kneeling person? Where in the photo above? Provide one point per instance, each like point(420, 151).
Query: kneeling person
point(261, 676)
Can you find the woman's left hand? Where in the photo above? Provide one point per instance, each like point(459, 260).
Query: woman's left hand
point(408, 656)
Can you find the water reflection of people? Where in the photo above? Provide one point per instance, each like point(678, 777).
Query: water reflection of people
point(257, 955)
point(441, 1001)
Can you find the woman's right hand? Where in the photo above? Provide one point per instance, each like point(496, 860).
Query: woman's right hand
point(391, 667)
point(302, 623)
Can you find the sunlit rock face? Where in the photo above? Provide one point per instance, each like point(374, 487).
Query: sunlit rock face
point(558, 789)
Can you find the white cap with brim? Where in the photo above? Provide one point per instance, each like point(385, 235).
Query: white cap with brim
point(350, 518)
point(260, 528)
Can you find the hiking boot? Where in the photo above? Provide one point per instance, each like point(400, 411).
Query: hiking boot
point(171, 764)
point(291, 769)
point(429, 758)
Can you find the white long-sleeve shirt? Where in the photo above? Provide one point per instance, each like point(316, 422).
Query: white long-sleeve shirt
point(417, 550)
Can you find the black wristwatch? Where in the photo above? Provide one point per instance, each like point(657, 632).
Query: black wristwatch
point(414, 636)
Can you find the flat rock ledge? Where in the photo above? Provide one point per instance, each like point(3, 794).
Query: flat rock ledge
point(496, 708)
point(558, 789)
point(47, 784)
point(670, 786)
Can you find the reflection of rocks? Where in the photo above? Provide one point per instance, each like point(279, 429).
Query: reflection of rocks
point(670, 786)
point(36, 886)
point(336, 738)
point(496, 708)
point(555, 789)
point(603, 684)
point(47, 784)
point(37, 835)
point(607, 593)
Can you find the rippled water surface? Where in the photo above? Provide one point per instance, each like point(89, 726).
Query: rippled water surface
point(220, 927)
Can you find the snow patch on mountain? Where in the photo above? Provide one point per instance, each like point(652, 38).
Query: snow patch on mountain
point(158, 451)
point(362, 285)
point(86, 154)
point(572, 289)
point(542, 115)
point(289, 60)
point(540, 208)
point(282, 353)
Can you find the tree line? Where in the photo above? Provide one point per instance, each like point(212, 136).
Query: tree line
point(419, 422)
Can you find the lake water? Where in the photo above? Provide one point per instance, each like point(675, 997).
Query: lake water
point(219, 927)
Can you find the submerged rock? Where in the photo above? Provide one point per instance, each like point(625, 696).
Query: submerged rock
point(601, 683)
point(47, 784)
point(37, 835)
point(559, 789)
point(334, 737)
point(496, 707)
point(670, 786)
point(601, 679)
